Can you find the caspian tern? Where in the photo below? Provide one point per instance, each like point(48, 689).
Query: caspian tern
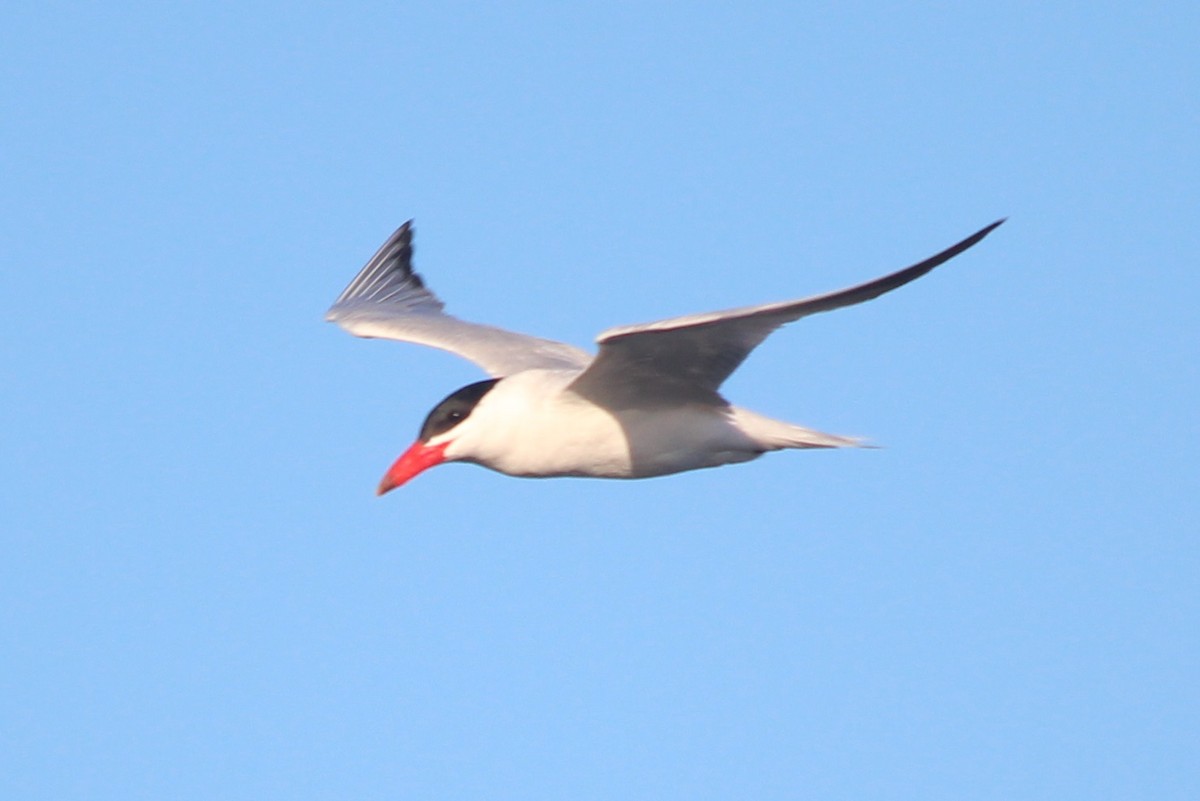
point(646, 405)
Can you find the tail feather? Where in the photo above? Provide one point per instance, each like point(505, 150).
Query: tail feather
point(775, 435)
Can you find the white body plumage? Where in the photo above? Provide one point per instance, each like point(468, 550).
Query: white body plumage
point(646, 405)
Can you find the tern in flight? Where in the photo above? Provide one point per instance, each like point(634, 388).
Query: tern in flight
point(647, 404)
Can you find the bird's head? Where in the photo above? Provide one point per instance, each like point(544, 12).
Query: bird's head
point(441, 429)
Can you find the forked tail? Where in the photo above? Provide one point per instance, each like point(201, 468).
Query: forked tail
point(775, 435)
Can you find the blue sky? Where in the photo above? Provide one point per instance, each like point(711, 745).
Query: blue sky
point(201, 598)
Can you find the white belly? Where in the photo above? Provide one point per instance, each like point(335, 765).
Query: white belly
point(561, 434)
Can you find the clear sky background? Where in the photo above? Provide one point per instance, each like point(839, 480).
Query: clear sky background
point(200, 597)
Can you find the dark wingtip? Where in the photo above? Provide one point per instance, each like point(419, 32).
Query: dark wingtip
point(405, 235)
point(970, 242)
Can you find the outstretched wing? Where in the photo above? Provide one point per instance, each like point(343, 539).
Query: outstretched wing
point(388, 300)
point(686, 359)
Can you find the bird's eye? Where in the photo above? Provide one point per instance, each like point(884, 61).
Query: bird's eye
point(455, 415)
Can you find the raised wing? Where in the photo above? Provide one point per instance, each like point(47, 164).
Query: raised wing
point(388, 300)
point(686, 359)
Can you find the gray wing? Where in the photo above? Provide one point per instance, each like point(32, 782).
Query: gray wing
point(686, 359)
point(388, 300)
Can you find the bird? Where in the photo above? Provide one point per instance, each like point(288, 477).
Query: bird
point(646, 404)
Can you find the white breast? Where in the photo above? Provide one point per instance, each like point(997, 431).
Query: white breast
point(529, 426)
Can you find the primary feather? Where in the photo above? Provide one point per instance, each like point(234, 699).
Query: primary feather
point(387, 299)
